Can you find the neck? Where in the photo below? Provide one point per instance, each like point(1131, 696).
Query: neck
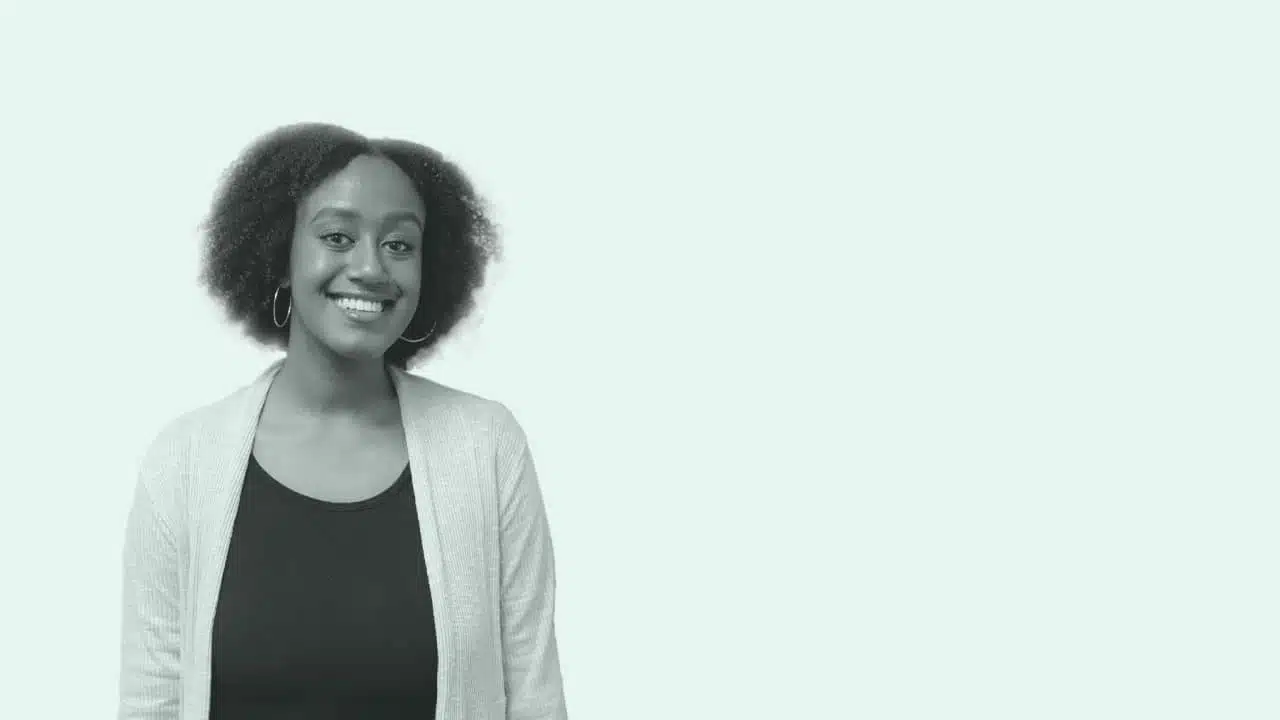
point(319, 383)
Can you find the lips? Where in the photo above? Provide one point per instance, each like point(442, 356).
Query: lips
point(361, 309)
point(367, 301)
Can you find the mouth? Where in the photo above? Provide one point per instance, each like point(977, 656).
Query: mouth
point(361, 308)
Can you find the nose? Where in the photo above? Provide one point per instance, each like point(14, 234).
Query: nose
point(366, 262)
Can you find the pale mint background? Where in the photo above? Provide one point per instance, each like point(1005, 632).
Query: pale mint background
point(916, 360)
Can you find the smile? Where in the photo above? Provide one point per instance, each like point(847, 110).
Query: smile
point(360, 308)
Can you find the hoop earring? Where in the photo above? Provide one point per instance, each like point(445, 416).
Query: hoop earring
point(275, 300)
point(424, 337)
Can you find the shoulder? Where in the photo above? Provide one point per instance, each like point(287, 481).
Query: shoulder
point(195, 422)
point(481, 415)
point(165, 461)
point(438, 397)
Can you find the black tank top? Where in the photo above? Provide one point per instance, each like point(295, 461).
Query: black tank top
point(324, 609)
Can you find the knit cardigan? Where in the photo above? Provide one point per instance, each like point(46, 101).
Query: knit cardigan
point(484, 532)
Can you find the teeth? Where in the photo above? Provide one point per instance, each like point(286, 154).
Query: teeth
point(362, 305)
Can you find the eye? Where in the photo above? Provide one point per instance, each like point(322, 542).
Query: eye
point(400, 246)
point(336, 238)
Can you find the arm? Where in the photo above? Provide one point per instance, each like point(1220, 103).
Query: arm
point(150, 681)
point(531, 659)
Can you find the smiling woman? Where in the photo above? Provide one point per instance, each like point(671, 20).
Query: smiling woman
point(310, 198)
point(356, 264)
point(339, 538)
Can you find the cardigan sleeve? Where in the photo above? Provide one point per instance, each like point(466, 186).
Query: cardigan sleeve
point(150, 681)
point(531, 661)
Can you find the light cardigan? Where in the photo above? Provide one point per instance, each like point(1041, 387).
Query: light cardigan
point(485, 538)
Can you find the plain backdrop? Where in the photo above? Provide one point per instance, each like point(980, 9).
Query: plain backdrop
point(880, 360)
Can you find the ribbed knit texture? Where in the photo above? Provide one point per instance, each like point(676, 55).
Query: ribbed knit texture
point(484, 536)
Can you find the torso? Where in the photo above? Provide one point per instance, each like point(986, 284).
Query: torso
point(334, 461)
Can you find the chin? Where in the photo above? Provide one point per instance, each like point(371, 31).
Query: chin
point(359, 349)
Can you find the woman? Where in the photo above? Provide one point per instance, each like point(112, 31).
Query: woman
point(339, 538)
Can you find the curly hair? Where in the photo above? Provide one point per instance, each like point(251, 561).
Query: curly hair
point(249, 230)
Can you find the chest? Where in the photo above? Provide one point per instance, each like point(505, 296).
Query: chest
point(334, 464)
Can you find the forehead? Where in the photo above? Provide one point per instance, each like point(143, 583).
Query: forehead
point(370, 185)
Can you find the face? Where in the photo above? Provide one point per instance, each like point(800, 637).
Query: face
point(356, 264)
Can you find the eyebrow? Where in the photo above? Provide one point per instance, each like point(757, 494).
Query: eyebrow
point(346, 214)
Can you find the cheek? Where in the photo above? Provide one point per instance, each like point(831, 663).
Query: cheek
point(408, 305)
point(310, 265)
point(410, 282)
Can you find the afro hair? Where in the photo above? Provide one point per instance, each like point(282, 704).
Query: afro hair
point(249, 230)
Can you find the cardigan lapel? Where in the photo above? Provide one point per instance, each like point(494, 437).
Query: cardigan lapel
point(220, 458)
point(416, 411)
